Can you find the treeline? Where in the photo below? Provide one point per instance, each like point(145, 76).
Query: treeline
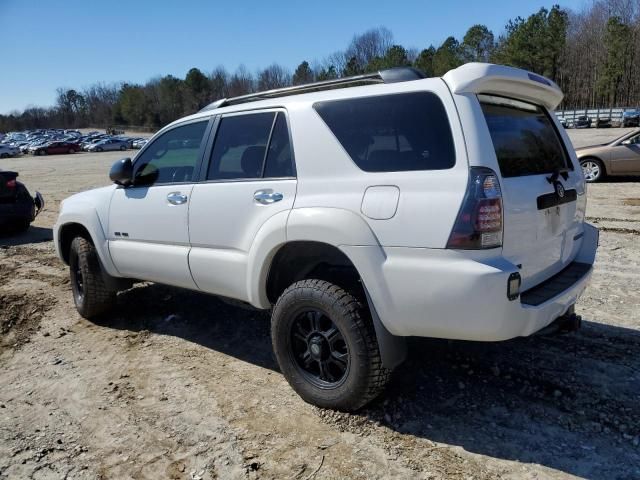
point(594, 55)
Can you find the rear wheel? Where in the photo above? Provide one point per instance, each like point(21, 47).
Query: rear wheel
point(99, 149)
point(90, 293)
point(71, 150)
point(123, 148)
point(593, 169)
point(326, 346)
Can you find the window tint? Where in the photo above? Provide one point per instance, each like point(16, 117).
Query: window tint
point(172, 157)
point(525, 140)
point(391, 133)
point(240, 146)
point(279, 159)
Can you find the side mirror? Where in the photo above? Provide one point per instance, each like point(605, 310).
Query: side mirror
point(121, 172)
point(626, 142)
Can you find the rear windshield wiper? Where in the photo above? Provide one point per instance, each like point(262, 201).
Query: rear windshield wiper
point(564, 172)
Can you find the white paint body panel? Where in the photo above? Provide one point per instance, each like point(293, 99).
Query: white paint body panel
point(224, 220)
point(157, 246)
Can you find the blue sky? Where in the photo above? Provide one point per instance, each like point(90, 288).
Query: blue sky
point(48, 44)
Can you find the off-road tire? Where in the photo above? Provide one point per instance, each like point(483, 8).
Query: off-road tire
point(365, 377)
point(93, 297)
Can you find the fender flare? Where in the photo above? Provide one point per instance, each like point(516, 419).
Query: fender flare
point(85, 215)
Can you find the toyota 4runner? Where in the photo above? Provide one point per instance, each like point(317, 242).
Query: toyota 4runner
point(402, 206)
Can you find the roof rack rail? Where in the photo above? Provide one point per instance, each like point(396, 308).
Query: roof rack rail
point(390, 75)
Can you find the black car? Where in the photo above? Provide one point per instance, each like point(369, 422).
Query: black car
point(583, 122)
point(631, 118)
point(603, 122)
point(17, 207)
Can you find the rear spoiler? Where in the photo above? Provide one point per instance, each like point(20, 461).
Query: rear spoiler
point(477, 78)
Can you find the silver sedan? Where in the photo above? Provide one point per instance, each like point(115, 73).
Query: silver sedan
point(107, 145)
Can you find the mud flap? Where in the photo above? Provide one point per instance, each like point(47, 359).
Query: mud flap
point(393, 349)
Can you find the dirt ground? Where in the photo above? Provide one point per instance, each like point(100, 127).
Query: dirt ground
point(176, 384)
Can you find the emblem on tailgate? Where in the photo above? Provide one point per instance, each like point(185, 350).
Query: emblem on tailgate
point(559, 189)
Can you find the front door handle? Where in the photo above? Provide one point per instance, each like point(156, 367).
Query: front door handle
point(176, 198)
point(267, 197)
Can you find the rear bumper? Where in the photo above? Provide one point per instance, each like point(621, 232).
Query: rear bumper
point(445, 294)
point(18, 211)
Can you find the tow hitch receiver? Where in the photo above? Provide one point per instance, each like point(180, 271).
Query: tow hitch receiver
point(567, 323)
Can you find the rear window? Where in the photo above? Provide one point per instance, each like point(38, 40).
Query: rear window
point(524, 138)
point(391, 133)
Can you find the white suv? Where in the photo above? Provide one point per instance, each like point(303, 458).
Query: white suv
point(403, 206)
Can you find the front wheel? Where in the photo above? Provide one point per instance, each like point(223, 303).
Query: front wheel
point(90, 293)
point(593, 169)
point(326, 346)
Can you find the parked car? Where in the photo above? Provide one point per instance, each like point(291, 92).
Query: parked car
point(617, 158)
point(8, 151)
point(412, 207)
point(563, 121)
point(631, 118)
point(603, 122)
point(89, 142)
point(106, 145)
point(53, 148)
point(583, 122)
point(17, 207)
point(139, 143)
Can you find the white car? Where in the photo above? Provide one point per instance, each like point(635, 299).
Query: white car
point(445, 207)
point(8, 150)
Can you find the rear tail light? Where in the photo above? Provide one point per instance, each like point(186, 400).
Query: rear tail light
point(11, 183)
point(479, 223)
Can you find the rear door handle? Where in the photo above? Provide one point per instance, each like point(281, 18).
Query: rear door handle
point(267, 197)
point(177, 198)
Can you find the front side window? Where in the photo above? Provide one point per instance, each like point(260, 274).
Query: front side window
point(172, 157)
point(392, 133)
point(634, 140)
point(524, 139)
point(250, 146)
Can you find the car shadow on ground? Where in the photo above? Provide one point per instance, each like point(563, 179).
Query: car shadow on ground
point(32, 235)
point(610, 179)
point(568, 402)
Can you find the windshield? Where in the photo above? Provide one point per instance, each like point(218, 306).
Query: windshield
point(624, 137)
point(525, 140)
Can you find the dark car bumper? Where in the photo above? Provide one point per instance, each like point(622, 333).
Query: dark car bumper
point(16, 212)
point(21, 210)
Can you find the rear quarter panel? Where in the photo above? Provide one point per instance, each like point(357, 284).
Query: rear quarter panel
point(327, 177)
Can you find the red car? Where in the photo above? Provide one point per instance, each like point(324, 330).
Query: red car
point(57, 147)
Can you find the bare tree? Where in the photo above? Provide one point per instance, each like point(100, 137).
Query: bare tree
point(274, 76)
point(369, 45)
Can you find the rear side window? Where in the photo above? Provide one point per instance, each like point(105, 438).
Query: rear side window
point(525, 140)
point(251, 146)
point(391, 133)
point(279, 159)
